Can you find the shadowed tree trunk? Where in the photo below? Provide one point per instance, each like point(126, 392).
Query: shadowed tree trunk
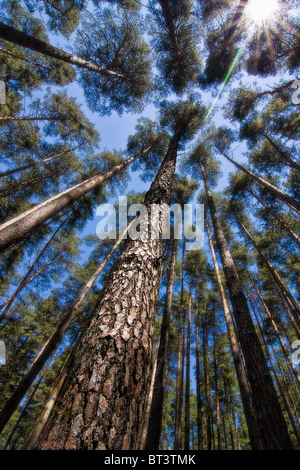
point(187, 378)
point(156, 411)
point(273, 428)
point(180, 360)
point(253, 430)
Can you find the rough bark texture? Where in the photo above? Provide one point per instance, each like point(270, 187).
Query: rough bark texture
point(15, 229)
point(105, 391)
point(156, 412)
point(273, 428)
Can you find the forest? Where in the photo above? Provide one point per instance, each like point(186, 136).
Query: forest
point(144, 343)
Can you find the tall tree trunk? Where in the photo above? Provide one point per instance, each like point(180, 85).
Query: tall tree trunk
point(217, 391)
point(15, 229)
point(52, 342)
point(253, 429)
point(286, 353)
point(15, 36)
point(289, 231)
point(284, 197)
point(148, 408)
point(283, 156)
point(187, 423)
point(111, 369)
point(180, 357)
point(206, 381)
point(41, 162)
point(199, 403)
point(156, 411)
point(293, 305)
point(274, 432)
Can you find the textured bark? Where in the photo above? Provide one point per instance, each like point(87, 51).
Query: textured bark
point(253, 430)
point(52, 343)
point(293, 305)
point(179, 381)
point(187, 423)
point(25, 40)
point(156, 411)
point(15, 229)
point(104, 394)
point(273, 428)
point(284, 197)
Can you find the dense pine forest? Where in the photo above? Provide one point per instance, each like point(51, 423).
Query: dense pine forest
point(148, 342)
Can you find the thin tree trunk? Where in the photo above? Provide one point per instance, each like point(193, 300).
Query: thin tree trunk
point(286, 353)
point(111, 369)
point(293, 305)
point(148, 408)
point(15, 229)
point(41, 162)
point(28, 277)
point(187, 377)
point(217, 391)
point(289, 231)
point(199, 411)
point(206, 381)
point(274, 432)
point(284, 197)
point(167, 14)
point(156, 411)
point(180, 356)
point(253, 429)
point(284, 157)
point(28, 403)
point(15, 36)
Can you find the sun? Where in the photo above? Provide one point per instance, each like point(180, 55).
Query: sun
point(260, 11)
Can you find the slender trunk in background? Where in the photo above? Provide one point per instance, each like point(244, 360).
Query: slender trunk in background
point(206, 381)
point(156, 411)
point(283, 156)
point(111, 369)
point(293, 305)
point(289, 231)
point(187, 378)
point(199, 403)
point(180, 356)
point(253, 429)
point(16, 36)
point(280, 388)
point(273, 428)
point(52, 342)
point(148, 408)
point(217, 391)
point(284, 197)
point(41, 162)
point(28, 277)
point(17, 228)
point(28, 403)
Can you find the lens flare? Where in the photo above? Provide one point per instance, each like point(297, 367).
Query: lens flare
point(260, 11)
